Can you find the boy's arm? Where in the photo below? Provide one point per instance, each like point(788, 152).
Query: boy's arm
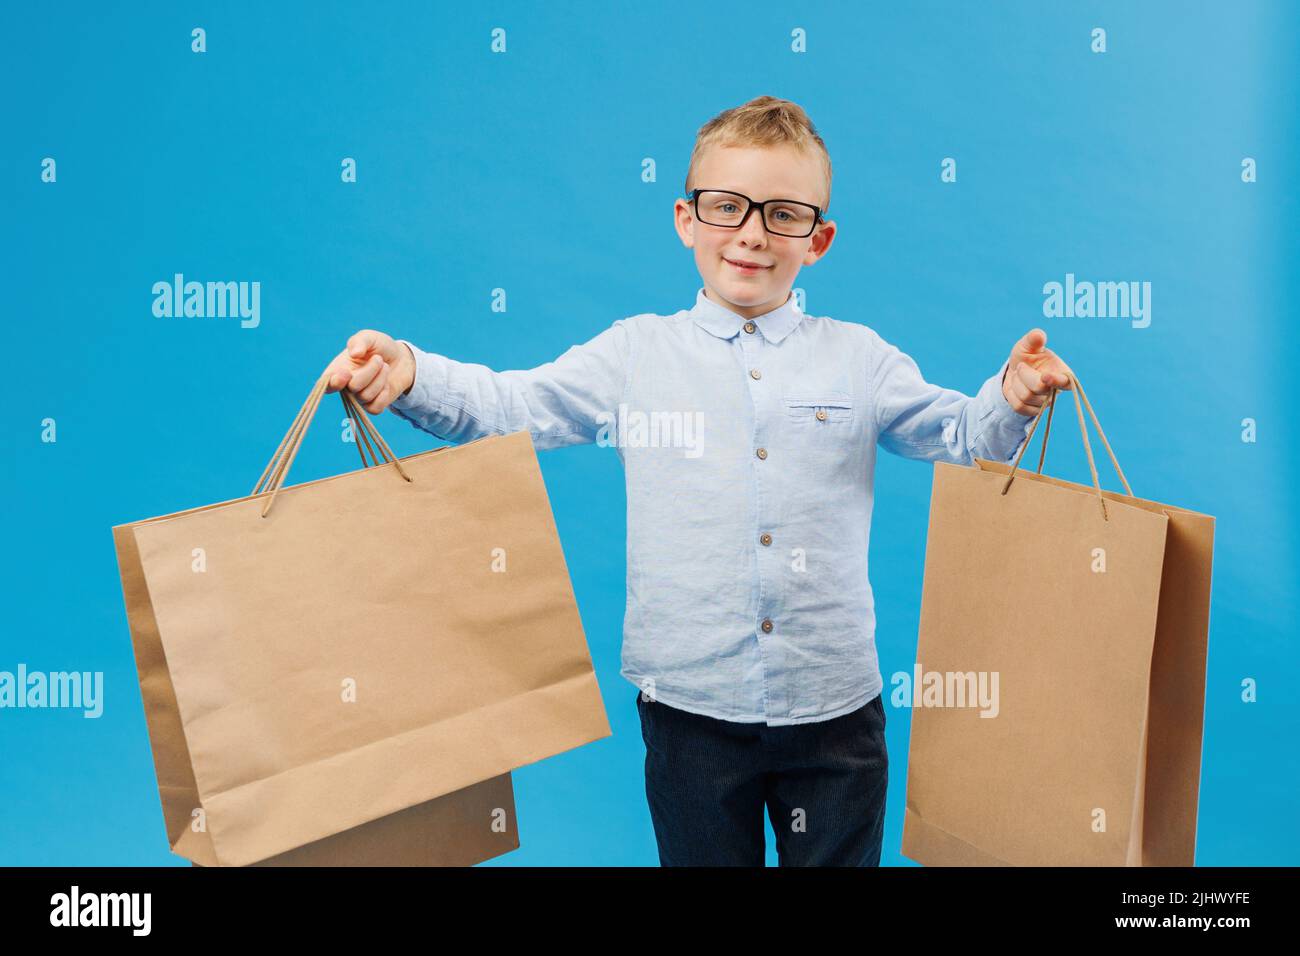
point(564, 402)
point(919, 420)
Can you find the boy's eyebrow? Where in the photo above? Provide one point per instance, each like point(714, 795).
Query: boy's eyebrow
point(741, 192)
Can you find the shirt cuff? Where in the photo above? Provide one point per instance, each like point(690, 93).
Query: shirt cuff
point(424, 404)
point(1003, 430)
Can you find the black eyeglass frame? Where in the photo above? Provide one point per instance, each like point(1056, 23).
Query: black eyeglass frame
point(693, 197)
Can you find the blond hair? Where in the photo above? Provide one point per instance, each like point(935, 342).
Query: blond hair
point(763, 121)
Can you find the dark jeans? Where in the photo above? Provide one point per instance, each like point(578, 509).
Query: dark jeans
point(708, 780)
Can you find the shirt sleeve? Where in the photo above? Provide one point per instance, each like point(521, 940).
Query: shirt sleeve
point(564, 402)
point(916, 419)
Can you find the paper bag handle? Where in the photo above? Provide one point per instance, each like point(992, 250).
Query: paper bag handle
point(1048, 406)
point(277, 469)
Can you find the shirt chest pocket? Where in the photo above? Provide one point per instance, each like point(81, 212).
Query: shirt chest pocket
point(819, 409)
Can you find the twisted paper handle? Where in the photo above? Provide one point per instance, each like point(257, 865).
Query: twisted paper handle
point(1048, 406)
point(277, 469)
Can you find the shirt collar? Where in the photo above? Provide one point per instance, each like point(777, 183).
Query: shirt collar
point(725, 324)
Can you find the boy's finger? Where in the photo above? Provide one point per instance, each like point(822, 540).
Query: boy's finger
point(1032, 379)
point(1032, 342)
point(376, 386)
point(1062, 379)
point(1026, 396)
point(364, 375)
point(362, 343)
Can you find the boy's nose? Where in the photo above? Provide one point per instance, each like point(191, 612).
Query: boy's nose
point(753, 231)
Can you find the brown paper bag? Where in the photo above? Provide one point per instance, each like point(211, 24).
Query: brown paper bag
point(1092, 610)
point(346, 671)
point(445, 831)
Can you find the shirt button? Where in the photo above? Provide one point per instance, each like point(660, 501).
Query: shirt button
point(755, 373)
point(767, 625)
point(750, 326)
point(761, 453)
point(765, 538)
point(821, 414)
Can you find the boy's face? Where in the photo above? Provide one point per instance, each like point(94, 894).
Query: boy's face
point(761, 173)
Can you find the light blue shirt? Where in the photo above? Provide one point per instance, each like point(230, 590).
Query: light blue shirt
point(749, 450)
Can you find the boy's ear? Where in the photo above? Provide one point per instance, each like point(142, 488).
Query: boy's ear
point(821, 242)
point(684, 223)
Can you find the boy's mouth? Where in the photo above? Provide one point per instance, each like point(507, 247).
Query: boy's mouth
point(745, 267)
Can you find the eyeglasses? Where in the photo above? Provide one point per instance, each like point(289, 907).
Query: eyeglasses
point(781, 217)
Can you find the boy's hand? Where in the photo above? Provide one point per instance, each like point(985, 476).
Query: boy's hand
point(374, 367)
point(1032, 372)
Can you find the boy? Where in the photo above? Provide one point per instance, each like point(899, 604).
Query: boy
point(749, 628)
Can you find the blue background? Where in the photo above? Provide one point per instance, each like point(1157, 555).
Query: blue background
point(523, 171)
